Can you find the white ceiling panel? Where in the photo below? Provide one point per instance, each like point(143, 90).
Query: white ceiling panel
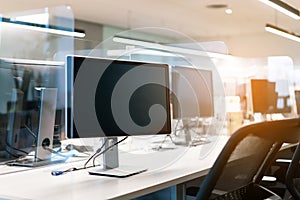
point(191, 17)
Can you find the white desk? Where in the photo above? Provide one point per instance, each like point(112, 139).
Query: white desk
point(40, 184)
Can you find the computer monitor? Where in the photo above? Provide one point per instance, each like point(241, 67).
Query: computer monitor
point(20, 104)
point(111, 98)
point(192, 101)
point(192, 92)
point(267, 97)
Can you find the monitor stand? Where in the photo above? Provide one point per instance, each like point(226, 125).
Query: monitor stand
point(111, 166)
point(44, 138)
point(186, 132)
point(188, 139)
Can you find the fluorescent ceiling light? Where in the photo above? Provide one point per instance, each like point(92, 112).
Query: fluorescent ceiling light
point(172, 49)
point(281, 32)
point(43, 28)
point(31, 62)
point(283, 7)
point(139, 51)
point(40, 18)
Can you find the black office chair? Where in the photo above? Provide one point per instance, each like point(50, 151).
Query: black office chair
point(293, 177)
point(238, 170)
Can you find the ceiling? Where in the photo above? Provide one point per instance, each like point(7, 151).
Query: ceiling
point(191, 17)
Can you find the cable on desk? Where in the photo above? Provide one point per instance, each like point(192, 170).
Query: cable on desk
point(171, 138)
point(94, 156)
point(98, 151)
point(58, 172)
point(161, 144)
point(12, 154)
point(183, 127)
point(160, 147)
point(83, 156)
point(201, 139)
point(45, 147)
point(14, 160)
point(55, 152)
point(79, 148)
point(108, 148)
point(15, 150)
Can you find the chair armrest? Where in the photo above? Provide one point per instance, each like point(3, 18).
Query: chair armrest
point(269, 179)
point(280, 160)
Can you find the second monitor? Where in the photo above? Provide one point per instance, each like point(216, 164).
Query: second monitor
point(192, 101)
point(270, 97)
point(192, 92)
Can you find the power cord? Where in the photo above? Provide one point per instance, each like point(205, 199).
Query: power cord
point(98, 151)
point(14, 155)
point(19, 150)
point(108, 148)
point(185, 126)
point(160, 147)
point(58, 172)
point(94, 156)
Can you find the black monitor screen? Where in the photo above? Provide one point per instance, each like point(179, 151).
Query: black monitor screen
point(265, 98)
point(117, 98)
point(192, 90)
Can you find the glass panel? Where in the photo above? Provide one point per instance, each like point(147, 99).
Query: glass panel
point(30, 60)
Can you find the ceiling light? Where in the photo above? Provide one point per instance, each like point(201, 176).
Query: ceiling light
point(217, 6)
point(43, 27)
point(281, 32)
point(228, 11)
point(283, 7)
point(165, 48)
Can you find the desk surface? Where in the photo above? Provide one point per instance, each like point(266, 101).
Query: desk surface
point(38, 183)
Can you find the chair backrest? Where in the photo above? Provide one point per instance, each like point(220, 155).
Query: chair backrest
point(292, 177)
point(248, 154)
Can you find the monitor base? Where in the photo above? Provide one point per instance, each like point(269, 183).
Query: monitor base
point(30, 162)
point(119, 172)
